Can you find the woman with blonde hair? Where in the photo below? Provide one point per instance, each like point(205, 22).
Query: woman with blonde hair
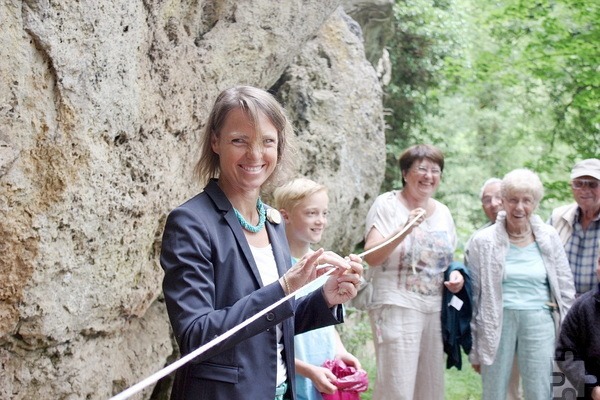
point(226, 258)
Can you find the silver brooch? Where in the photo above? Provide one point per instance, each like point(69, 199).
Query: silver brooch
point(273, 216)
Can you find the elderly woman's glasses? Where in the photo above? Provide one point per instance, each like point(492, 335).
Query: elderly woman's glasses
point(581, 183)
point(423, 171)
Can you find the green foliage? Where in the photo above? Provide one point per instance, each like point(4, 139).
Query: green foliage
point(426, 32)
point(555, 45)
point(464, 384)
point(497, 86)
point(355, 332)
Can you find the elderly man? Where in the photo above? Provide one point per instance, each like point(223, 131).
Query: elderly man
point(491, 202)
point(578, 224)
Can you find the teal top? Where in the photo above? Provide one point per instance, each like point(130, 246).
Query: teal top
point(525, 284)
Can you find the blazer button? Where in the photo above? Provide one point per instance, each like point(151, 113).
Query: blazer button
point(270, 316)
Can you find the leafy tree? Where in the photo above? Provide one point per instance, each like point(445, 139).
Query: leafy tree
point(497, 86)
point(556, 43)
point(426, 32)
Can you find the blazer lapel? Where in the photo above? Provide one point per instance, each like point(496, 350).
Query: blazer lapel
point(223, 204)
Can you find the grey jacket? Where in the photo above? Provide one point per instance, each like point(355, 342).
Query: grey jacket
point(487, 255)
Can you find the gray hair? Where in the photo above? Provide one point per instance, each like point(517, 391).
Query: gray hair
point(523, 180)
point(486, 184)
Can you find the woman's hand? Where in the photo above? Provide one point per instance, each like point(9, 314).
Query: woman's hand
point(477, 368)
point(412, 215)
point(301, 273)
point(456, 282)
point(343, 283)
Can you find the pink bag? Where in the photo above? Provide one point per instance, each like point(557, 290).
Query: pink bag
point(350, 381)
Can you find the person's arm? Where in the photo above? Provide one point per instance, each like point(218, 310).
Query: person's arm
point(375, 238)
point(474, 264)
point(569, 350)
point(564, 276)
point(466, 253)
point(342, 354)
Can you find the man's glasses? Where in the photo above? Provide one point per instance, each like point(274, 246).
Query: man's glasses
point(423, 171)
point(581, 183)
point(487, 200)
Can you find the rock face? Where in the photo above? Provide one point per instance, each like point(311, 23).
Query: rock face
point(329, 81)
point(101, 108)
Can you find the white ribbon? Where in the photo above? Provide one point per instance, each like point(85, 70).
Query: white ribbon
point(302, 291)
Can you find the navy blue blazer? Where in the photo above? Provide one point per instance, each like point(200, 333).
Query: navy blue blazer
point(212, 284)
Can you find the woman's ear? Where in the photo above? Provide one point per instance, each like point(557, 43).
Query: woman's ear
point(214, 143)
point(284, 214)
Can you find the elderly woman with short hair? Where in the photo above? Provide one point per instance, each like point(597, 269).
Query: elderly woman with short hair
point(408, 279)
point(520, 273)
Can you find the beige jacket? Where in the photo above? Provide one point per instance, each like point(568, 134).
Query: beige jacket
point(562, 219)
point(487, 255)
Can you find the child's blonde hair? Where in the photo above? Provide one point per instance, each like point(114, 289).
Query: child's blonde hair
point(288, 196)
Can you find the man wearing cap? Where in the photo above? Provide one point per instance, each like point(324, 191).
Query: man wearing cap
point(578, 224)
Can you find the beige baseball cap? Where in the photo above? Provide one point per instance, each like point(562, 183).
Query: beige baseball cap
point(589, 167)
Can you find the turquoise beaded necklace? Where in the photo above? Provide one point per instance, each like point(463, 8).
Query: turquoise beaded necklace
point(260, 207)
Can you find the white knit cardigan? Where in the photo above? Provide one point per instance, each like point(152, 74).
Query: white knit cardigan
point(487, 255)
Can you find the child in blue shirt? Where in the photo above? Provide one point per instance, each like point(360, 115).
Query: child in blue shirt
point(303, 205)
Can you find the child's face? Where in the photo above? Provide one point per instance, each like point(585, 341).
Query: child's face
point(307, 220)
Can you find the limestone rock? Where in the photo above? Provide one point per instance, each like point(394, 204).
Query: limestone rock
point(101, 107)
point(376, 19)
point(329, 81)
